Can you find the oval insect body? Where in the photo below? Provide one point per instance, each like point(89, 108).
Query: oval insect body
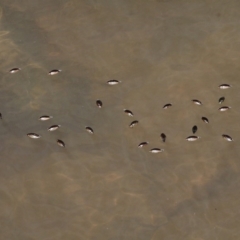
point(99, 103)
point(113, 82)
point(163, 136)
point(221, 100)
point(14, 70)
point(227, 137)
point(54, 128)
point(61, 143)
point(89, 129)
point(197, 102)
point(133, 123)
point(194, 129)
point(166, 106)
point(225, 86)
point(142, 144)
point(192, 138)
point(54, 71)
point(33, 135)
point(156, 150)
point(45, 118)
point(128, 112)
point(224, 109)
point(205, 120)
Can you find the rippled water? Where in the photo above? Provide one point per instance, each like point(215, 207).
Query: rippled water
point(102, 186)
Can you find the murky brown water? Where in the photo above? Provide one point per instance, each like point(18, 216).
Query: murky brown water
point(103, 186)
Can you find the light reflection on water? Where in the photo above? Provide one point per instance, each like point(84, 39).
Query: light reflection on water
point(102, 186)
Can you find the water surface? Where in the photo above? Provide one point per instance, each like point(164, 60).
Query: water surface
point(102, 186)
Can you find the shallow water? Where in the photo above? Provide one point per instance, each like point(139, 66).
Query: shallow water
point(102, 186)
